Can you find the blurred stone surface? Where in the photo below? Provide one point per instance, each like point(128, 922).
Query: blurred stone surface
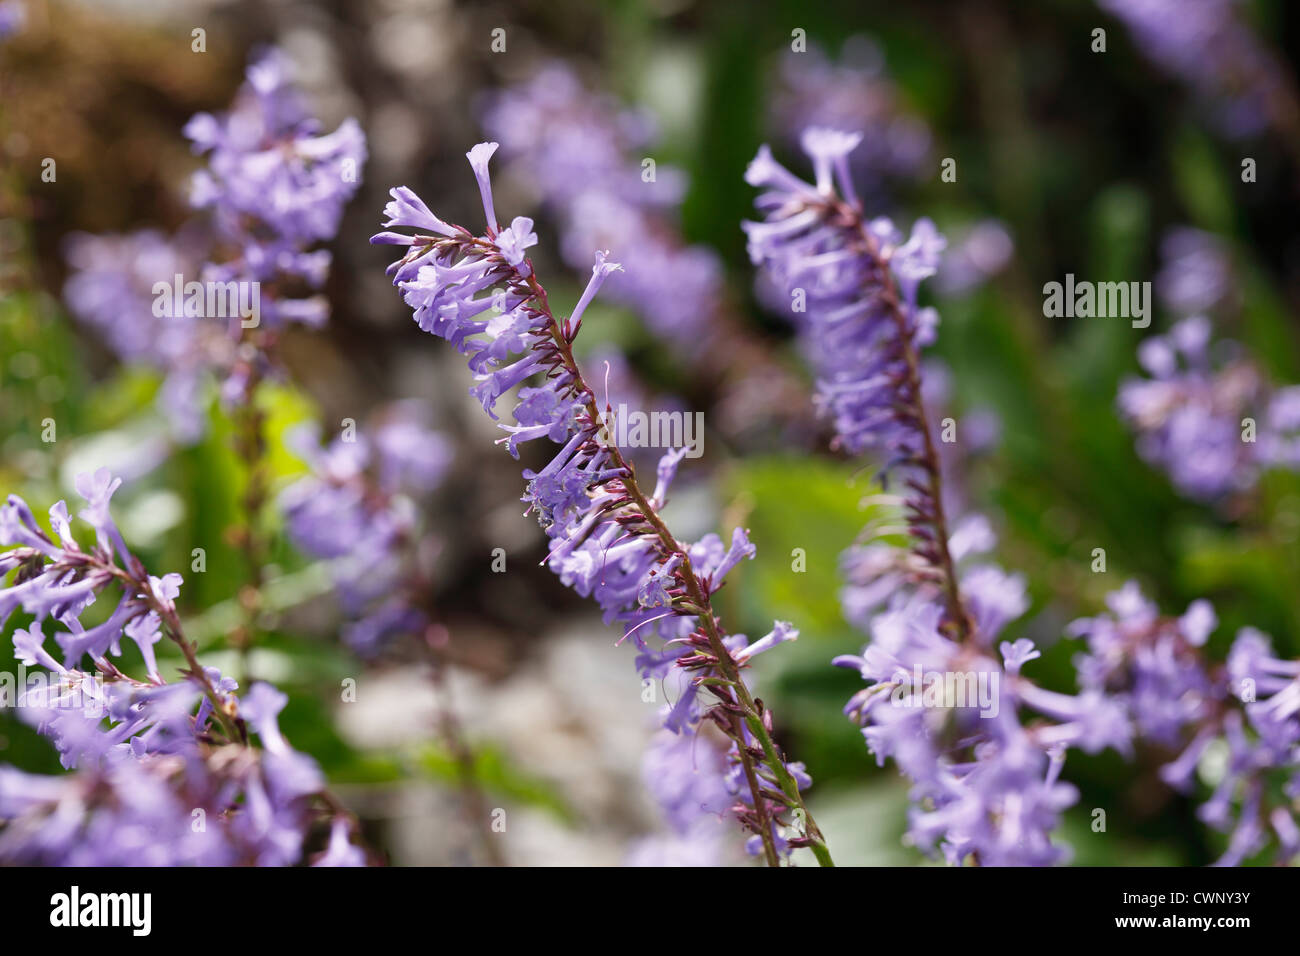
point(571, 717)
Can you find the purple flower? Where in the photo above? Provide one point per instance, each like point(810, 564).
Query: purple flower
point(111, 289)
point(985, 788)
point(162, 774)
point(686, 775)
point(853, 284)
point(854, 93)
point(841, 274)
point(978, 252)
point(1210, 424)
point(1203, 43)
point(341, 851)
point(267, 161)
point(1016, 655)
point(13, 18)
point(357, 511)
point(1148, 662)
point(1196, 271)
point(272, 188)
point(515, 239)
point(1153, 667)
point(607, 540)
point(582, 155)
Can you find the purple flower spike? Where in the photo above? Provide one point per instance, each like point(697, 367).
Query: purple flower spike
point(607, 538)
point(149, 758)
point(938, 703)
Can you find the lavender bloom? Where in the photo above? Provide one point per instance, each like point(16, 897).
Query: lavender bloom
point(856, 94)
point(164, 773)
point(1279, 444)
point(1196, 272)
point(111, 290)
point(857, 284)
point(699, 847)
point(607, 539)
point(1204, 44)
point(128, 813)
point(341, 851)
point(978, 252)
point(985, 787)
point(583, 155)
point(1210, 423)
point(13, 18)
point(1154, 667)
point(687, 776)
point(274, 184)
point(357, 511)
point(1149, 662)
point(272, 189)
point(848, 273)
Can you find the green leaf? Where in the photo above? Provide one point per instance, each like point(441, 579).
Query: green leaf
point(494, 774)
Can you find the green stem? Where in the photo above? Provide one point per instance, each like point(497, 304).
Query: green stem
point(475, 805)
point(250, 445)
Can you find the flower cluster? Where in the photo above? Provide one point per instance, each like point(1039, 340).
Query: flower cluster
point(273, 188)
point(608, 541)
point(986, 781)
point(1205, 44)
point(111, 290)
point(853, 285)
point(13, 18)
point(1196, 272)
point(940, 702)
point(580, 152)
point(1237, 723)
point(953, 715)
point(165, 773)
point(978, 251)
point(854, 93)
point(358, 511)
point(1206, 416)
point(686, 775)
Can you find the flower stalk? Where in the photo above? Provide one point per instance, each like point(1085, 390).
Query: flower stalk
point(608, 539)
